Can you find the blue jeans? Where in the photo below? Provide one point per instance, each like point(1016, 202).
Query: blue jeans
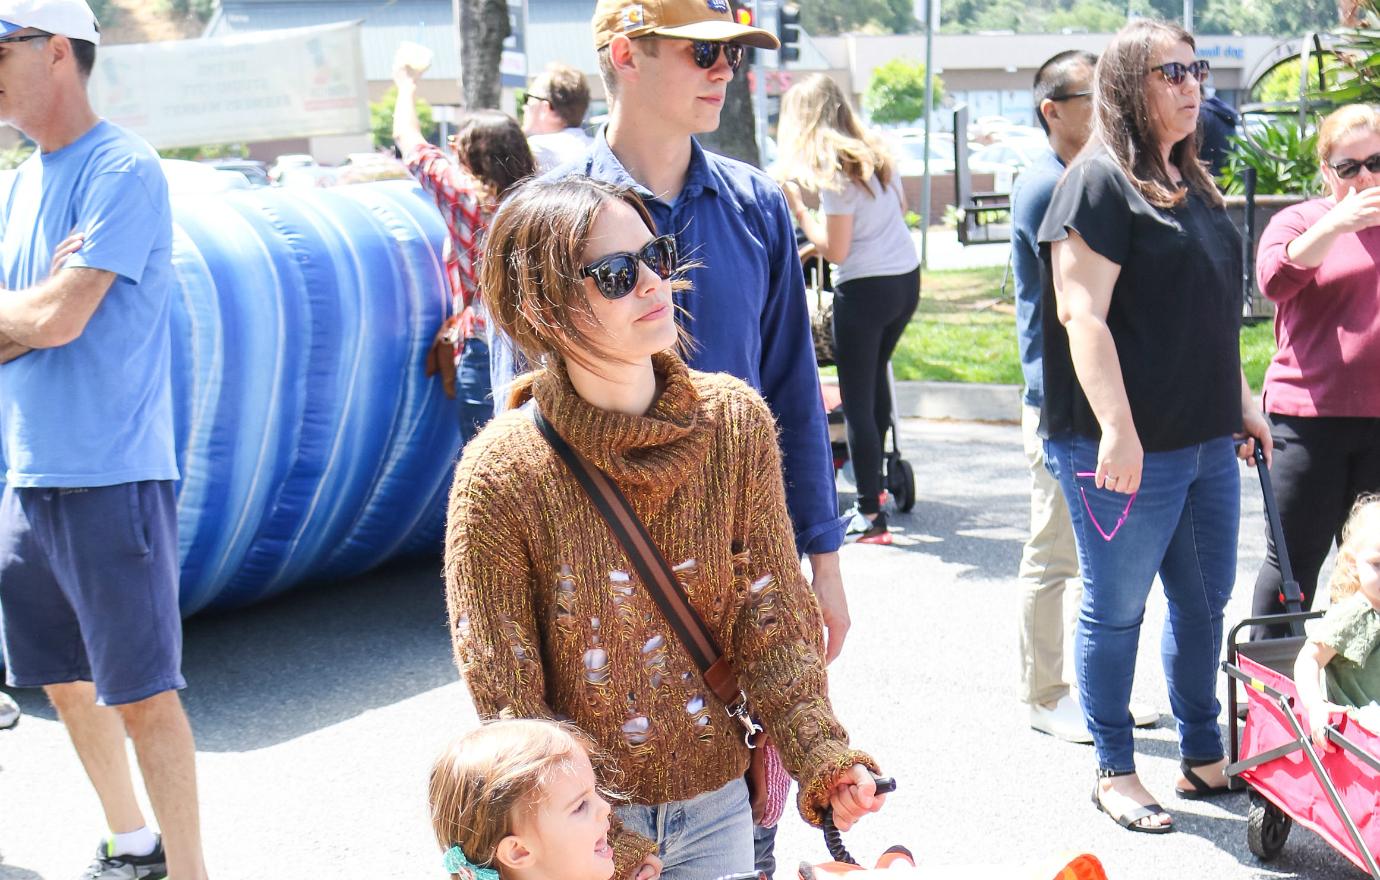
point(703, 838)
point(472, 392)
point(1183, 526)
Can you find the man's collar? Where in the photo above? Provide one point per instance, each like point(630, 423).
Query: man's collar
point(604, 165)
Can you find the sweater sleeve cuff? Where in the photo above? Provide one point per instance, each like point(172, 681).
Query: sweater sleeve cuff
point(1284, 278)
point(629, 849)
point(813, 798)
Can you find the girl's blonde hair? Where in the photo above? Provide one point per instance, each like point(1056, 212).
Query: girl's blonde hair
point(822, 142)
point(1361, 525)
point(486, 776)
point(531, 272)
point(1342, 122)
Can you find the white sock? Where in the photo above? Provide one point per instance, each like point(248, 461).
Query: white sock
point(139, 842)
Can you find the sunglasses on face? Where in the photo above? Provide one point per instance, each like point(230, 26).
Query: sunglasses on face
point(1174, 73)
point(1349, 168)
point(616, 274)
point(706, 54)
point(1071, 95)
point(24, 38)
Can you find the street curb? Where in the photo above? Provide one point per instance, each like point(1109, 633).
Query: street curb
point(956, 401)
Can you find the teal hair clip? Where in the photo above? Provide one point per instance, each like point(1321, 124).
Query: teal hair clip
point(455, 862)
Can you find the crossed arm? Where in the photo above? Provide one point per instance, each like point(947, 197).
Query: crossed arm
point(55, 311)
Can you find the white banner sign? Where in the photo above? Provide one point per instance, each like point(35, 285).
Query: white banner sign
point(250, 87)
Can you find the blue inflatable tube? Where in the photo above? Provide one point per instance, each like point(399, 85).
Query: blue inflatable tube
point(310, 443)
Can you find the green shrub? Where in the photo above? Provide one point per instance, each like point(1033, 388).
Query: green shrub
point(1284, 158)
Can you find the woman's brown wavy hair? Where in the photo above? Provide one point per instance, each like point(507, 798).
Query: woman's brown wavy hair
point(491, 146)
point(1121, 116)
point(531, 272)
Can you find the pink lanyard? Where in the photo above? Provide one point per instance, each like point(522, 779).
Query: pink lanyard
point(1106, 536)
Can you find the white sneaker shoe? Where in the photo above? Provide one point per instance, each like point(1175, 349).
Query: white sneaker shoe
point(9, 712)
point(1064, 721)
point(1143, 715)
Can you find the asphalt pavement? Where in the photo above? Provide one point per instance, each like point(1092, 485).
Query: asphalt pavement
point(317, 716)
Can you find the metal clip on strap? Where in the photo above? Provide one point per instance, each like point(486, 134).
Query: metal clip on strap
point(751, 729)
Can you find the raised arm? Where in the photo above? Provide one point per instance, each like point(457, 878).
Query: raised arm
point(407, 129)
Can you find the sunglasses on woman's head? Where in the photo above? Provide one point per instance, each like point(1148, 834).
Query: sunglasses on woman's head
point(706, 54)
point(616, 274)
point(1349, 168)
point(1174, 73)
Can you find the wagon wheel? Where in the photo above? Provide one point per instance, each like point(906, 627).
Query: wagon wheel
point(1267, 828)
point(900, 482)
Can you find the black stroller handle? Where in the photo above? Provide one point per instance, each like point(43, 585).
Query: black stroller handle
point(1293, 596)
point(833, 838)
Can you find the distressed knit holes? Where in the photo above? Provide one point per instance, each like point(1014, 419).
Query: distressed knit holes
point(565, 597)
point(637, 731)
point(698, 708)
point(688, 572)
point(762, 595)
point(597, 667)
point(462, 627)
point(619, 577)
point(622, 599)
point(654, 658)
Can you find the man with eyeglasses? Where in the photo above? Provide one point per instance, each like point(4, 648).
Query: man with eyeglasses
point(88, 519)
point(554, 115)
point(1049, 562)
point(665, 67)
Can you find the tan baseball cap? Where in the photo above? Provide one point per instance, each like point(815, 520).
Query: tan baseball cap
point(710, 20)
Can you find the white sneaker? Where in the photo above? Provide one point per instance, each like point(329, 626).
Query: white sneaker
point(1064, 721)
point(9, 712)
point(1143, 715)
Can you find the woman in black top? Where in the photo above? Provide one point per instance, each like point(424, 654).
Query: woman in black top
point(1143, 394)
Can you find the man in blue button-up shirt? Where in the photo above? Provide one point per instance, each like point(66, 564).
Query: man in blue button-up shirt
point(747, 312)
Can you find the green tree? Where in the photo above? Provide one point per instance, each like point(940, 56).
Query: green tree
point(206, 151)
point(1092, 16)
point(381, 119)
point(10, 158)
point(897, 92)
point(832, 17)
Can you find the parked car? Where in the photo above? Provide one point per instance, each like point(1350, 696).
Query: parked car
point(254, 171)
point(910, 153)
point(1004, 157)
point(186, 177)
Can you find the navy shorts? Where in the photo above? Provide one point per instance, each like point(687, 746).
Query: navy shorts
point(88, 589)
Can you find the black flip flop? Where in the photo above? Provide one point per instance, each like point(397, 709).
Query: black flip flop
point(1201, 790)
point(1129, 820)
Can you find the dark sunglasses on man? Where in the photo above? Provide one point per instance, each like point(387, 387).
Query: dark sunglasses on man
point(1349, 168)
point(616, 274)
point(1174, 72)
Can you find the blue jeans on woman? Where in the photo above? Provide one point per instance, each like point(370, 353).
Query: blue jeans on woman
point(472, 389)
point(703, 838)
point(1183, 526)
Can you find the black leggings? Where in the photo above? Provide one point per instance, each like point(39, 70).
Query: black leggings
point(1325, 464)
point(870, 315)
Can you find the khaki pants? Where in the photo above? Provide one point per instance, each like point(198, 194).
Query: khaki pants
point(1048, 562)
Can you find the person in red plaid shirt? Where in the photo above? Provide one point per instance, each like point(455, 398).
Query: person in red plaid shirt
point(491, 156)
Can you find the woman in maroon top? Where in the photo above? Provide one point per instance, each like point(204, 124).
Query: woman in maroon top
point(1318, 263)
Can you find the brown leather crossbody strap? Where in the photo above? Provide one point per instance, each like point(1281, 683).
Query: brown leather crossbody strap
point(651, 566)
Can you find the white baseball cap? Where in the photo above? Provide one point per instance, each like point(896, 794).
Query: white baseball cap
point(70, 18)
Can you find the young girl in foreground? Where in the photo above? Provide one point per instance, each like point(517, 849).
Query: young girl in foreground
point(1344, 641)
point(518, 799)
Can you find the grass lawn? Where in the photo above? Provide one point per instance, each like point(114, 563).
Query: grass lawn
point(965, 331)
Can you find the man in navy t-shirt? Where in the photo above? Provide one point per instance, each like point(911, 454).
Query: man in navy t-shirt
point(88, 519)
point(1049, 562)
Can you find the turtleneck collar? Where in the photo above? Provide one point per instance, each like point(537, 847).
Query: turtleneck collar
point(649, 453)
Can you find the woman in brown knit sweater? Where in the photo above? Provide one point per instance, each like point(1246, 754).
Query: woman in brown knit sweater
point(548, 615)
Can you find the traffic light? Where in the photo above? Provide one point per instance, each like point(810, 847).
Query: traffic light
point(788, 31)
point(747, 16)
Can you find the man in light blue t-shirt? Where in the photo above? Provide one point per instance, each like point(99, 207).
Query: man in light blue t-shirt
point(88, 520)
